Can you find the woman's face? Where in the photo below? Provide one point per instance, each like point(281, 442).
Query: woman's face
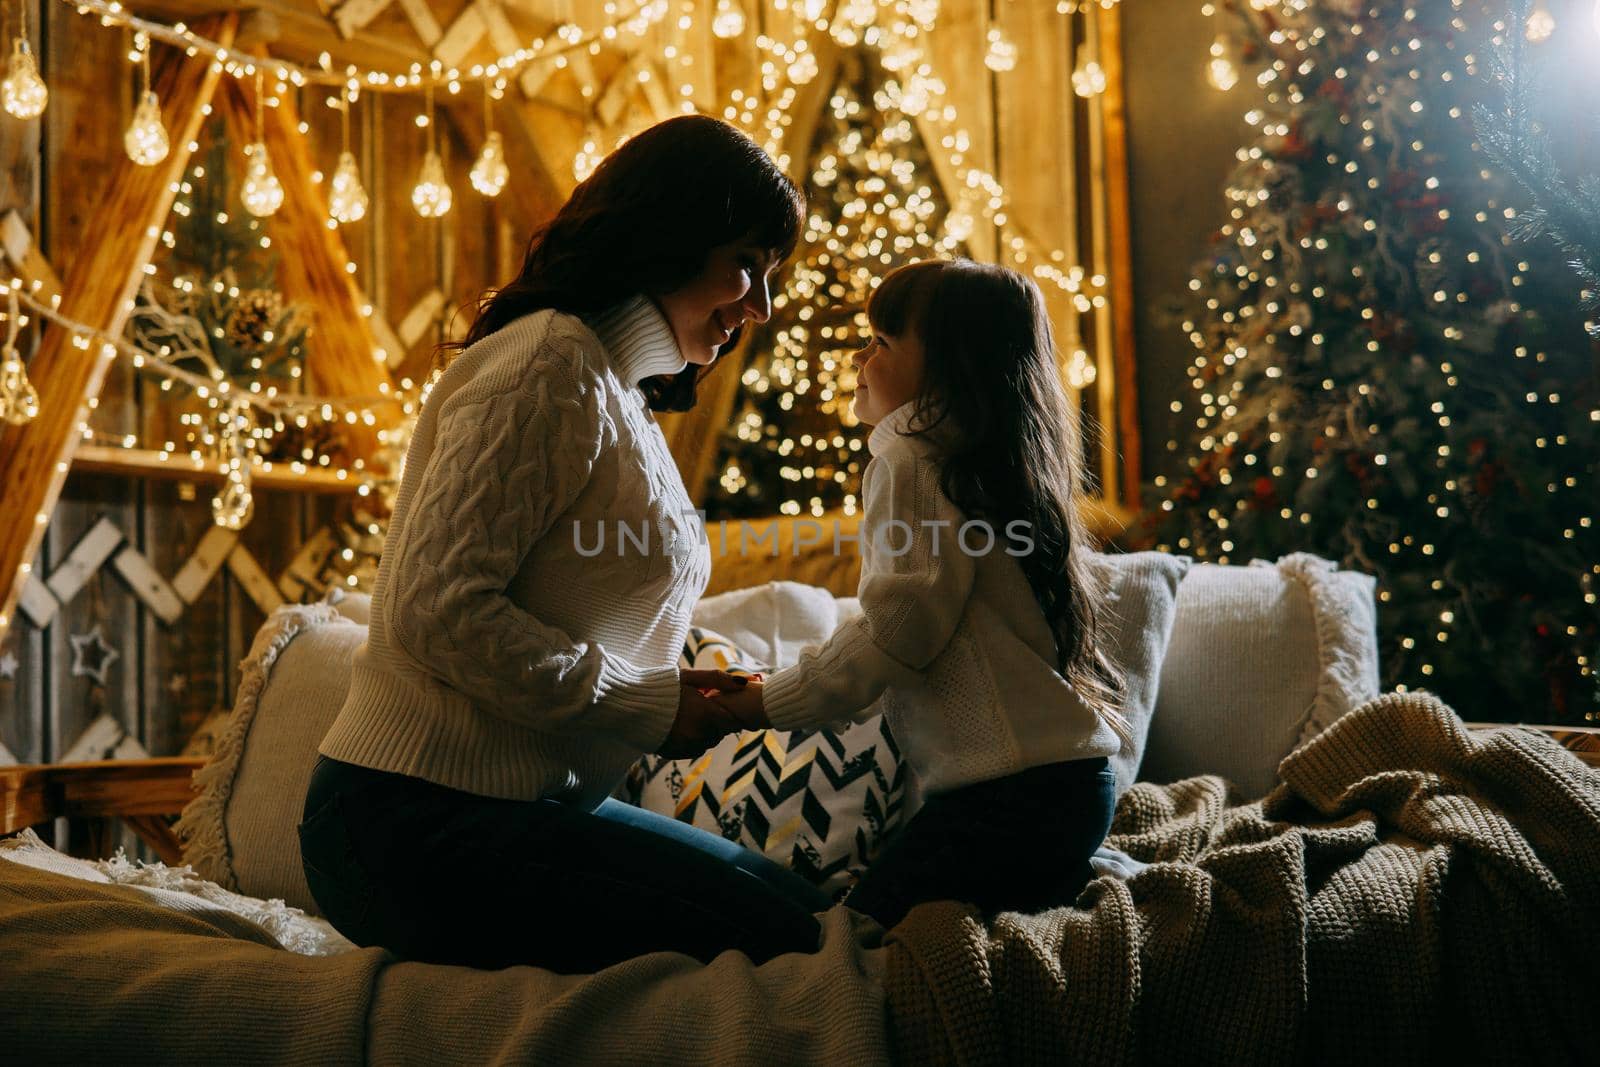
point(731, 290)
point(888, 374)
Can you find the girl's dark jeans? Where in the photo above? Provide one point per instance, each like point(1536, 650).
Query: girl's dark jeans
point(1018, 843)
point(442, 876)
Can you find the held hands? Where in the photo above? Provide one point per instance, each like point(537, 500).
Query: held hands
point(711, 705)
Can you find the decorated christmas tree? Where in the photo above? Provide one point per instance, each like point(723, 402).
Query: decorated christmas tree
point(1385, 375)
point(794, 447)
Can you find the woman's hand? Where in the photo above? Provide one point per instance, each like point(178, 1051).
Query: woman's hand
point(700, 722)
point(747, 705)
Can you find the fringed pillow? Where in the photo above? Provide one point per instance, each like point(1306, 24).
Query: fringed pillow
point(822, 802)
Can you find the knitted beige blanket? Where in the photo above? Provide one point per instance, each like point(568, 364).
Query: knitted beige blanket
point(1411, 892)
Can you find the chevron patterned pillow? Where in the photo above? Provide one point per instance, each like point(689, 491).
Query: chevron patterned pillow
point(820, 802)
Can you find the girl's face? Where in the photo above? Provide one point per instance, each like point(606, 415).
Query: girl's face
point(888, 374)
point(730, 290)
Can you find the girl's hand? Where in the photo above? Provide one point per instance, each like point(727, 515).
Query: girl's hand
point(707, 679)
point(747, 706)
point(700, 723)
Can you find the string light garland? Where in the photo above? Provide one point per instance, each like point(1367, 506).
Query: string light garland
point(565, 39)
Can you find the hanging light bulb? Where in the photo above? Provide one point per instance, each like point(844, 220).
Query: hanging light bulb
point(728, 20)
point(1541, 24)
point(347, 199)
point(958, 225)
point(1221, 71)
point(232, 507)
point(146, 139)
point(1002, 55)
point(490, 173)
point(588, 157)
point(431, 196)
point(19, 400)
point(1089, 80)
point(811, 10)
point(262, 192)
point(23, 92)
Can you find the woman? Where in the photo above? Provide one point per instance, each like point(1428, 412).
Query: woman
point(522, 651)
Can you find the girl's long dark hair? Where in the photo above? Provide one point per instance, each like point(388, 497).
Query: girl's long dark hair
point(1010, 441)
point(643, 223)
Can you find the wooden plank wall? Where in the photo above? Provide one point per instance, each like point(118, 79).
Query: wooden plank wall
point(170, 680)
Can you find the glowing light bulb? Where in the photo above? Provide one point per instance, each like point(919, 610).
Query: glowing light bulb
point(431, 196)
point(915, 96)
point(490, 173)
point(1541, 24)
point(262, 193)
point(587, 159)
point(728, 21)
point(1221, 71)
point(1089, 79)
point(812, 9)
point(347, 200)
point(1002, 54)
point(23, 92)
point(803, 69)
point(146, 139)
point(859, 13)
point(19, 400)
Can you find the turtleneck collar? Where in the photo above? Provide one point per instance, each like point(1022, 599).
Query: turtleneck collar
point(639, 340)
point(892, 431)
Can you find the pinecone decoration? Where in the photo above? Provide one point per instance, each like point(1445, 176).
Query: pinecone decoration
point(291, 442)
point(253, 314)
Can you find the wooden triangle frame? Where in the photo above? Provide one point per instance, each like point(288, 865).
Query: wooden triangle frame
point(100, 287)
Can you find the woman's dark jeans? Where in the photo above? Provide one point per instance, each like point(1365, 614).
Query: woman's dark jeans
point(442, 876)
point(1019, 843)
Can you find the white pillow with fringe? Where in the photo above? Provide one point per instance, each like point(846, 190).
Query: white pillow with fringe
point(1262, 658)
point(240, 830)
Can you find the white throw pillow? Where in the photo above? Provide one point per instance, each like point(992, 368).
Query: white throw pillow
point(240, 830)
point(1262, 658)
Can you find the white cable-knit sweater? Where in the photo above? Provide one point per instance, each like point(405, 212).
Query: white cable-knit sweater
point(512, 652)
point(952, 640)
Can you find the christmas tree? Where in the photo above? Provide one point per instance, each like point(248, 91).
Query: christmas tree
point(1385, 375)
point(794, 446)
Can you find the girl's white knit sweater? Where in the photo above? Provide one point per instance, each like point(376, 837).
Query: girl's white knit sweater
point(951, 645)
point(520, 646)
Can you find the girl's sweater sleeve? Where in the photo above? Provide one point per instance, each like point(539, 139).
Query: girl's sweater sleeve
point(915, 583)
point(513, 447)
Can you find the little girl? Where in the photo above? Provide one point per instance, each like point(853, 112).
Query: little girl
point(978, 630)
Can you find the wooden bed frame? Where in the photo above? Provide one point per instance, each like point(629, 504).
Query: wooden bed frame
point(146, 793)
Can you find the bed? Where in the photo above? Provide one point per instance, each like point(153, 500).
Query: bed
point(1401, 884)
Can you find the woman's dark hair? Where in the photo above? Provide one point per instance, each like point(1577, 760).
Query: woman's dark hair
point(644, 223)
point(1009, 440)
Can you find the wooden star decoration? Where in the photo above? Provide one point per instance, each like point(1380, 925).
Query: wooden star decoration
point(8, 665)
point(92, 655)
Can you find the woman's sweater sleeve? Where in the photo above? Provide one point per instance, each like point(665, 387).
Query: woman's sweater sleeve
point(915, 584)
point(513, 447)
